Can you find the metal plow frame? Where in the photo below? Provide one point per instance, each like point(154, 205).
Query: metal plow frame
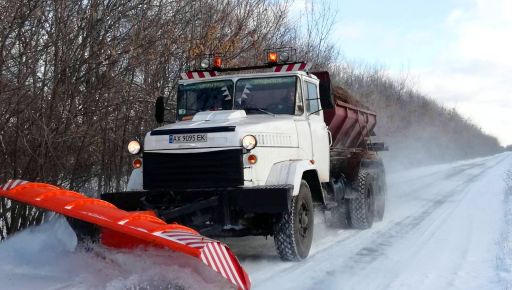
point(134, 228)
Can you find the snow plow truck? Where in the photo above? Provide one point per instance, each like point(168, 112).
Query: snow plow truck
point(254, 153)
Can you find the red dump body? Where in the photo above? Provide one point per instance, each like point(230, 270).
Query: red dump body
point(349, 125)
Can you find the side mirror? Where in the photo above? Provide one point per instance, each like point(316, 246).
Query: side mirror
point(159, 110)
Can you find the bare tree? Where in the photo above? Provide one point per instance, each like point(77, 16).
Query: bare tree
point(78, 80)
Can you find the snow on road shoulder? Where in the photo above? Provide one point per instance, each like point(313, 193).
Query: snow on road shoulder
point(504, 258)
point(45, 257)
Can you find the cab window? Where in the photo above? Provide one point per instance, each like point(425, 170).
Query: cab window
point(312, 100)
point(204, 96)
point(274, 95)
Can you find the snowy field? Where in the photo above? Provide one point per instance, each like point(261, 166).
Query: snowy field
point(446, 227)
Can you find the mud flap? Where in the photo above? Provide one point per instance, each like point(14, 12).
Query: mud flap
point(123, 229)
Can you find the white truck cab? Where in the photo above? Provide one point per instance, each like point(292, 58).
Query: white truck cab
point(278, 114)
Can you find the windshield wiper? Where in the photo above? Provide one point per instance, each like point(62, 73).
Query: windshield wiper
point(260, 109)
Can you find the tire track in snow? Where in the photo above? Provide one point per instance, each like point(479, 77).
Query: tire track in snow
point(453, 171)
point(384, 239)
point(443, 175)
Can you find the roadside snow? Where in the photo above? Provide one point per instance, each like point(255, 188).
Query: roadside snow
point(504, 258)
point(45, 257)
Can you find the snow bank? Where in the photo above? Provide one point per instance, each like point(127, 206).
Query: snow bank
point(46, 257)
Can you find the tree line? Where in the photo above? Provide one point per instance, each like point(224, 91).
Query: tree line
point(418, 130)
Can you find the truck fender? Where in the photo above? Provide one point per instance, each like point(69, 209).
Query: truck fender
point(291, 172)
point(135, 181)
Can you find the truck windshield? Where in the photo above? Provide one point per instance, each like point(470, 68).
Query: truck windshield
point(205, 96)
point(274, 95)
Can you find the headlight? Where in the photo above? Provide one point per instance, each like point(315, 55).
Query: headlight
point(249, 142)
point(134, 147)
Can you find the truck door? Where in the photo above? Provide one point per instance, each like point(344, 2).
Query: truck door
point(318, 129)
point(302, 124)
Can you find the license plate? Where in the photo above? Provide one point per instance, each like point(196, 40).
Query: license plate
point(188, 138)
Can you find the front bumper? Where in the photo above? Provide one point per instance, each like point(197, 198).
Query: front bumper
point(270, 199)
point(263, 199)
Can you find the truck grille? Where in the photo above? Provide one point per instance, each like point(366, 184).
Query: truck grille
point(211, 169)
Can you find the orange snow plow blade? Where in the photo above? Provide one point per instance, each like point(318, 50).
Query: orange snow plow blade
point(123, 229)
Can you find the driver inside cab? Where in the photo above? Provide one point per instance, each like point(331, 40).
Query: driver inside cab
point(285, 103)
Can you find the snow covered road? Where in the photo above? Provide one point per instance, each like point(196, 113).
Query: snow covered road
point(446, 227)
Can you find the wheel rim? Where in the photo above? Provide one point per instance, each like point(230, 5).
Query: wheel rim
point(303, 220)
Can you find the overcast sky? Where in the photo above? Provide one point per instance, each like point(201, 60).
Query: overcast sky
point(457, 51)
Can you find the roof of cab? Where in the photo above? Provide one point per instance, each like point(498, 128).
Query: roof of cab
point(248, 75)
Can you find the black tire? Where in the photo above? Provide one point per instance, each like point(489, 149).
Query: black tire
point(380, 195)
point(362, 207)
point(293, 231)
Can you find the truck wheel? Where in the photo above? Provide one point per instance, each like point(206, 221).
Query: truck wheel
point(293, 232)
point(362, 207)
point(380, 196)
